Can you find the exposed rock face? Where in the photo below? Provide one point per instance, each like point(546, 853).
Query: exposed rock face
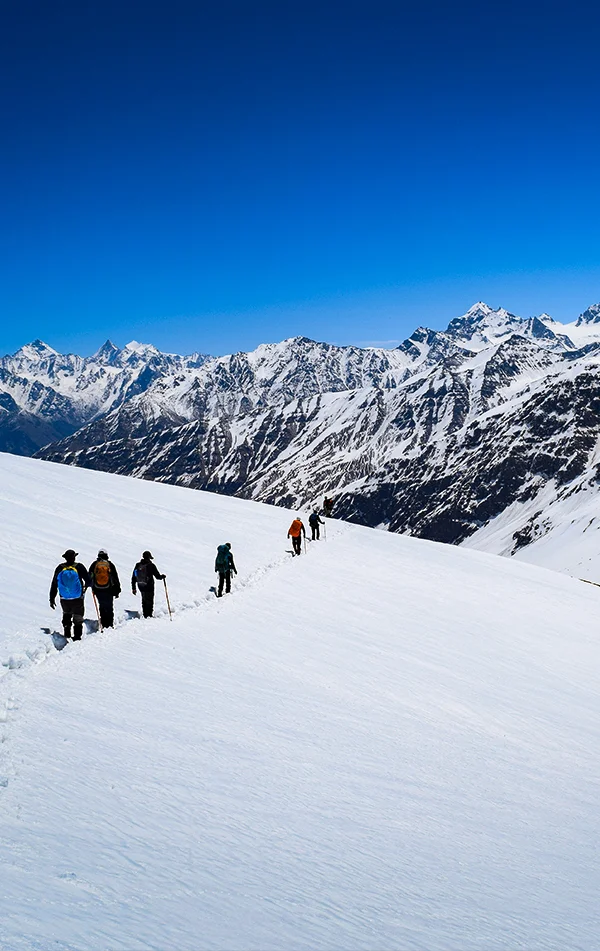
point(437, 437)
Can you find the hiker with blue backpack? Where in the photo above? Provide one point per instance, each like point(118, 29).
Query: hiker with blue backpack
point(70, 582)
point(143, 577)
point(224, 565)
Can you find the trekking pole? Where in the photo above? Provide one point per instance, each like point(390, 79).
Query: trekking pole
point(325, 530)
point(167, 597)
point(97, 611)
point(305, 543)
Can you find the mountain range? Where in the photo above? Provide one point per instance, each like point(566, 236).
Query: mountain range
point(439, 437)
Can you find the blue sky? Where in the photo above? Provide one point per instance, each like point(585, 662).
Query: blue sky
point(208, 176)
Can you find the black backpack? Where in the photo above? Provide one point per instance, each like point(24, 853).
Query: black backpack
point(222, 560)
point(143, 575)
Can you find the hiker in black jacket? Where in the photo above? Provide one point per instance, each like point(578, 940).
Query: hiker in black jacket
point(224, 565)
point(143, 576)
point(314, 521)
point(70, 581)
point(106, 587)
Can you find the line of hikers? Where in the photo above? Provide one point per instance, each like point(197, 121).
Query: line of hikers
point(72, 579)
point(297, 530)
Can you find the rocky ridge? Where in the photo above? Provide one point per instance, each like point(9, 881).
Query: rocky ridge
point(437, 437)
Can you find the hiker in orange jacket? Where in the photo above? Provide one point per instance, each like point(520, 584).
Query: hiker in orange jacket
point(295, 533)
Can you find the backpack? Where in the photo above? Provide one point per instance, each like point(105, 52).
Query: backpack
point(102, 577)
point(69, 583)
point(142, 574)
point(222, 559)
point(313, 519)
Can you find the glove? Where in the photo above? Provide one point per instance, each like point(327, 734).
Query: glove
point(235, 571)
point(53, 605)
point(162, 577)
point(133, 591)
point(117, 595)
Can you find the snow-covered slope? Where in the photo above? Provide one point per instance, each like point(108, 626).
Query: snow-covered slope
point(553, 529)
point(386, 743)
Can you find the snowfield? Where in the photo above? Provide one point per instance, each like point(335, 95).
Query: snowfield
point(384, 744)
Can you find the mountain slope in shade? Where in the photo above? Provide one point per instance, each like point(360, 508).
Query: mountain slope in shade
point(386, 743)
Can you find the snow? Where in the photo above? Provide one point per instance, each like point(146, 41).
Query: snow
point(385, 743)
point(565, 534)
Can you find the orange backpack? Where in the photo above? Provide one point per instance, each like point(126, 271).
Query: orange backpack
point(295, 528)
point(102, 574)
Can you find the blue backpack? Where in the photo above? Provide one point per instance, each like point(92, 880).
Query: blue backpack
point(222, 560)
point(69, 583)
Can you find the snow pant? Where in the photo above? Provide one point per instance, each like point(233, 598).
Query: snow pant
point(297, 544)
point(106, 607)
point(224, 579)
point(147, 601)
point(72, 609)
point(315, 532)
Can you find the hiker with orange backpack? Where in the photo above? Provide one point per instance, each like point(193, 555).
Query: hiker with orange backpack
point(105, 587)
point(296, 532)
point(70, 582)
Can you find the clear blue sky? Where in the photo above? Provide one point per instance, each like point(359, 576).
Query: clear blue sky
point(210, 175)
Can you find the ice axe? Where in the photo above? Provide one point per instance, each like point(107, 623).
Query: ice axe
point(97, 611)
point(167, 597)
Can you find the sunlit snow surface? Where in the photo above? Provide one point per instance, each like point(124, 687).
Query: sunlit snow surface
point(385, 744)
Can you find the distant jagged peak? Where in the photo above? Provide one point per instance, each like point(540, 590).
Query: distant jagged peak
point(539, 328)
point(107, 353)
point(141, 348)
point(589, 316)
point(36, 350)
point(483, 321)
point(479, 309)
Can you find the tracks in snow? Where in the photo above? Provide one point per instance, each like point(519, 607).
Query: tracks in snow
point(15, 669)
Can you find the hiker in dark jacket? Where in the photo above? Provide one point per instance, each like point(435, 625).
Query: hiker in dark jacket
point(224, 565)
point(70, 582)
point(143, 576)
point(106, 587)
point(314, 521)
point(327, 507)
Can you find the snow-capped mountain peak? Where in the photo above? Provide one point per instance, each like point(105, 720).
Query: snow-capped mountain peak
point(140, 348)
point(482, 324)
point(35, 351)
point(589, 316)
point(107, 353)
point(479, 309)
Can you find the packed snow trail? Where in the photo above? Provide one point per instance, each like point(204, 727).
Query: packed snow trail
point(47, 508)
point(383, 744)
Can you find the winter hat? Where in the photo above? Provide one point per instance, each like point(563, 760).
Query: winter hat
point(102, 553)
point(70, 555)
point(146, 554)
point(227, 544)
